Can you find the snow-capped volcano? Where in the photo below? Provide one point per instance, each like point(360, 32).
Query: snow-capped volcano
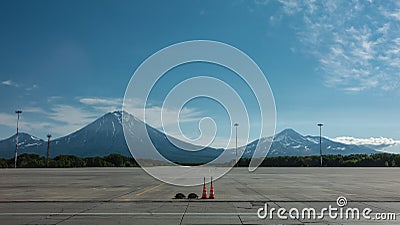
point(27, 144)
point(290, 143)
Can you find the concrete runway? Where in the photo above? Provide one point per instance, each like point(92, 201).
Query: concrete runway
point(130, 196)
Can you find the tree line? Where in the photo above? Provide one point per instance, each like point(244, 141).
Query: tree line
point(67, 161)
point(116, 160)
point(356, 160)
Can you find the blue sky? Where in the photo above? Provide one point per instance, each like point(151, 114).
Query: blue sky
point(66, 63)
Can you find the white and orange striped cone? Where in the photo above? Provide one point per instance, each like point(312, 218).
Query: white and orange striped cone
point(204, 195)
point(211, 191)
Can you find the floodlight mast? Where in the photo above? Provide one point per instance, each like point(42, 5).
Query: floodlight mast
point(48, 150)
point(18, 112)
point(320, 141)
point(236, 153)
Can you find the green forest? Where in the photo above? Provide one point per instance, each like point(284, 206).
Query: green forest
point(68, 161)
point(115, 160)
point(358, 160)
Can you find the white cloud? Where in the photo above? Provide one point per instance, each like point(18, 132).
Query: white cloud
point(217, 141)
point(103, 104)
point(291, 6)
point(101, 101)
point(31, 87)
point(10, 83)
point(54, 98)
point(70, 118)
point(34, 110)
point(353, 89)
point(356, 43)
point(10, 120)
point(379, 143)
point(153, 113)
point(19, 85)
point(60, 119)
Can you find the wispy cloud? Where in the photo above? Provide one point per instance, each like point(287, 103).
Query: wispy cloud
point(10, 83)
point(152, 114)
point(35, 110)
point(54, 98)
point(101, 101)
point(291, 7)
point(7, 120)
point(356, 43)
point(71, 115)
point(10, 120)
point(31, 87)
point(102, 104)
point(58, 119)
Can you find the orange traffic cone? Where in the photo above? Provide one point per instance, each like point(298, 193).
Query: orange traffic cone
point(204, 195)
point(211, 191)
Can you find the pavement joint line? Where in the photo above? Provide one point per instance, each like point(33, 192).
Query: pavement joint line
point(184, 213)
point(240, 219)
point(83, 211)
point(126, 214)
point(72, 214)
point(186, 200)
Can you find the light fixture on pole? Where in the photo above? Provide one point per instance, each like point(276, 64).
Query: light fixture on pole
point(236, 153)
point(18, 112)
point(48, 149)
point(320, 141)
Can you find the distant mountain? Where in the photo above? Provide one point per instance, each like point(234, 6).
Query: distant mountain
point(290, 143)
point(27, 144)
point(105, 136)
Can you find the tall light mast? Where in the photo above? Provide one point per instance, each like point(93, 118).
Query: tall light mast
point(236, 153)
point(18, 112)
point(48, 150)
point(320, 141)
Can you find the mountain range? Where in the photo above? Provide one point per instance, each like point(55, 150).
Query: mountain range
point(105, 136)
